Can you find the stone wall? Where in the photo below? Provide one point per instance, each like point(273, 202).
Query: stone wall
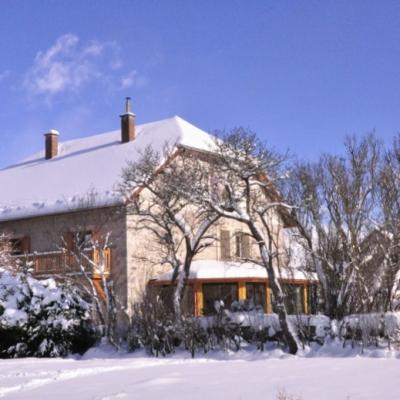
point(46, 234)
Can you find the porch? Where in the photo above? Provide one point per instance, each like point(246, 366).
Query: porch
point(240, 284)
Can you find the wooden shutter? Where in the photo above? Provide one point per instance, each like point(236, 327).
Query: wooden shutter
point(26, 245)
point(245, 245)
point(225, 240)
point(68, 240)
point(96, 237)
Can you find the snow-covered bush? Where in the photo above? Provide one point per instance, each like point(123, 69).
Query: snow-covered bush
point(153, 327)
point(371, 329)
point(258, 328)
point(194, 337)
point(41, 318)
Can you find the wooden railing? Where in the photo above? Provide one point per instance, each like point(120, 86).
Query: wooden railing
point(65, 262)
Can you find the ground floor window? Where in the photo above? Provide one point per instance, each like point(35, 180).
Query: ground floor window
point(166, 295)
point(255, 294)
point(313, 299)
point(212, 292)
point(294, 295)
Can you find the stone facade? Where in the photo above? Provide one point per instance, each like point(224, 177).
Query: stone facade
point(46, 234)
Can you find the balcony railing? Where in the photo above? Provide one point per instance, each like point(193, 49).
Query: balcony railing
point(64, 262)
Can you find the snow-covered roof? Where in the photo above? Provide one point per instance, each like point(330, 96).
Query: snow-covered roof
point(86, 169)
point(212, 269)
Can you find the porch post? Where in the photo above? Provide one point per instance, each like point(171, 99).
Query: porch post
point(305, 298)
point(198, 299)
point(242, 290)
point(268, 305)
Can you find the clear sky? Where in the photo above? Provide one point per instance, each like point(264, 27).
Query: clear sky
point(302, 74)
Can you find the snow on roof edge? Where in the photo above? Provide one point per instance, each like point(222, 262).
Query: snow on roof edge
point(213, 269)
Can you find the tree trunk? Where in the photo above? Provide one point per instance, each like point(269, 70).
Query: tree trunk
point(280, 307)
point(279, 296)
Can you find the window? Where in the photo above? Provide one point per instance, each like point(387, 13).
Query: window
point(78, 240)
point(294, 298)
point(167, 292)
point(242, 245)
point(225, 292)
point(19, 246)
point(16, 247)
point(313, 299)
point(85, 239)
point(225, 243)
point(255, 294)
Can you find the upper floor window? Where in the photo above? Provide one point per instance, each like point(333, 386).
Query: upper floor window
point(78, 240)
point(84, 239)
point(16, 247)
point(19, 246)
point(242, 245)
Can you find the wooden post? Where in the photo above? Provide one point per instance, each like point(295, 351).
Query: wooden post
point(107, 260)
point(268, 305)
point(198, 299)
point(242, 291)
point(305, 298)
point(95, 256)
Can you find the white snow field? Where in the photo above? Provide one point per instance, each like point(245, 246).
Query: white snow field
point(102, 377)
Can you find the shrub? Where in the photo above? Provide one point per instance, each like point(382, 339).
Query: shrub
point(40, 318)
point(153, 327)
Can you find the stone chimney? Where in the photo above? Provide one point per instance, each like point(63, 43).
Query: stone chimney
point(128, 123)
point(51, 144)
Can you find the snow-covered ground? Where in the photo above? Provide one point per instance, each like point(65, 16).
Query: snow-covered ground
point(103, 376)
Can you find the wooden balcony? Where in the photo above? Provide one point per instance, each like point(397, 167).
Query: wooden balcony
point(64, 262)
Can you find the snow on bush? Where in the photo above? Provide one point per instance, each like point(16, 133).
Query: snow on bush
point(41, 318)
point(371, 328)
point(259, 327)
point(155, 329)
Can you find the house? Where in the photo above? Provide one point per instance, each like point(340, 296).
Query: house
point(68, 193)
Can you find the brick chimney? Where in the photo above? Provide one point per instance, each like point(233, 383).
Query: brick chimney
point(128, 123)
point(51, 144)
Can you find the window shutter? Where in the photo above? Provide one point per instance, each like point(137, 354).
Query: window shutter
point(225, 245)
point(96, 237)
point(68, 240)
point(26, 244)
point(238, 244)
point(245, 245)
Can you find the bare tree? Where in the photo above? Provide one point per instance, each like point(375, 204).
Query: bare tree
point(87, 254)
point(337, 207)
point(245, 176)
point(156, 188)
point(388, 227)
point(87, 268)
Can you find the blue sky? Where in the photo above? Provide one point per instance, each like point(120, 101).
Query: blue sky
point(302, 74)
